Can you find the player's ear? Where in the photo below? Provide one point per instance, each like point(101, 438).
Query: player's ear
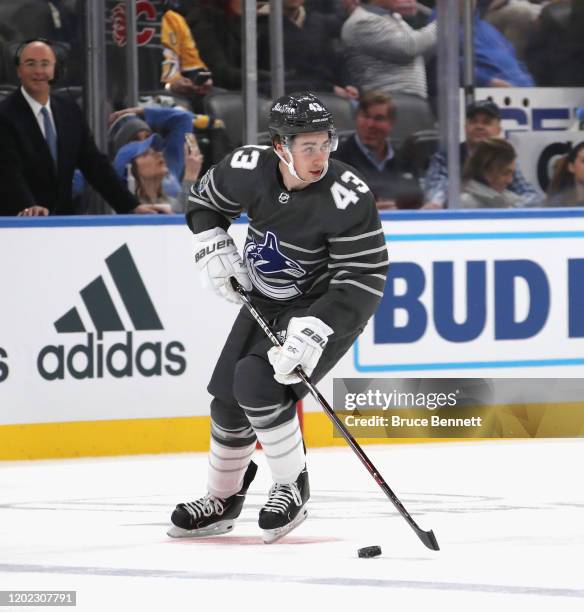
point(277, 144)
point(281, 151)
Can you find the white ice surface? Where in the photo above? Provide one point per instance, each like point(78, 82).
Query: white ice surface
point(508, 515)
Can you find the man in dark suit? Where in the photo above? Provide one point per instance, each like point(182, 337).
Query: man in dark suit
point(369, 150)
point(43, 138)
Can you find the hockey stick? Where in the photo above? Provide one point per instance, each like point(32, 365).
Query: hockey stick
point(427, 537)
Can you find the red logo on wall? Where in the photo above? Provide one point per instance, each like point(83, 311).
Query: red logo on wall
point(145, 10)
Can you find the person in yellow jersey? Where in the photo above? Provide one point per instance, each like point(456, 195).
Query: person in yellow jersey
point(184, 73)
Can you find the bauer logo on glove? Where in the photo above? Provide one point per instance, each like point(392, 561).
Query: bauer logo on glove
point(314, 336)
point(306, 339)
point(217, 257)
point(221, 244)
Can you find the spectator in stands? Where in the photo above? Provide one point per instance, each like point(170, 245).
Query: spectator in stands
point(496, 63)
point(556, 49)
point(384, 53)
point(369, 150)
point(310, 61)
point(487, 175)
point(515, 19)
point(216, 26)
point(43, 138)
point(142, 165)
point(483, 120)
point(184, 73)
point(567, 186)
point(130, 124)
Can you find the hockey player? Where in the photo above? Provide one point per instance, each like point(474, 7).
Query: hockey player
point(314, 261)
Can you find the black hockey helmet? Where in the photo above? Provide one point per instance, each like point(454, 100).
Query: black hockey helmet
point(298, 113)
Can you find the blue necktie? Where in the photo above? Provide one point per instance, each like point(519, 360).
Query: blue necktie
point(50, 135)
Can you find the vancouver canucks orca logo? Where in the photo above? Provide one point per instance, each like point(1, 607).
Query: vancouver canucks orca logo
point(265, 262)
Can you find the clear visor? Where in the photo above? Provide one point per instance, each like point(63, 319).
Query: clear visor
point(309, 149)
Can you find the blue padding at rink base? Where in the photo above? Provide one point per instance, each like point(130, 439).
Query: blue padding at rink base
point(394, 216)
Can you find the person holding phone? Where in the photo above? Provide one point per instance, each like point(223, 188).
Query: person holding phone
point(141, 164)
point(138, 123)
point(216, 26)
point(184, 73)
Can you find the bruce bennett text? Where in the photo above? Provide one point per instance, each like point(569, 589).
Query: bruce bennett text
point(352, 420)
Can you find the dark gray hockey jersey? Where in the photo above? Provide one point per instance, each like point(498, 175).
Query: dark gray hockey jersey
point(320, 248)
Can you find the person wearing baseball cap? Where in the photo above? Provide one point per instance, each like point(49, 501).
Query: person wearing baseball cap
point(141, 164)
point(483, 120)
point(487, 107)
point(127, 154)
point(137, 123)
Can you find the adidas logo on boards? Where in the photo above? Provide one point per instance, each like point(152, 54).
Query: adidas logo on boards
point(4, 371)
point(96, 358)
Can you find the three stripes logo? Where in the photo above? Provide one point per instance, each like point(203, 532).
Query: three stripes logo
point(95, 357)
point(100, 305)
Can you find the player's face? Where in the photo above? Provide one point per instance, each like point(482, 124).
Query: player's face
point(310, 153)
point(501, 178)
point(577, 168)
point(36, 68)
point(374, 125)
point(481, 126)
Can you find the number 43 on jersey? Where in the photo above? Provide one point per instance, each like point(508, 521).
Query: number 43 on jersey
point(342, 195)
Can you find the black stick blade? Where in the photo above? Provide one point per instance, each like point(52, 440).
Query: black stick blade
point(428, 538)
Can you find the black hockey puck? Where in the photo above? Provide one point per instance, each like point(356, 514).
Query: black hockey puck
point(369, 551)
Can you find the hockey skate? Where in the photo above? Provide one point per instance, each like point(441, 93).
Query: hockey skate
point(285, 508)
point(210, 515)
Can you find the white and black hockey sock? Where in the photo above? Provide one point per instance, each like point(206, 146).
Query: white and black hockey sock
point(278, 429)
point(226, 468)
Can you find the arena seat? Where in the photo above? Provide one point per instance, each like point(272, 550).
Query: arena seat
point(228, 106)
point(418, 148)
point(6, 90)
point(341, 108)
point(413, 114)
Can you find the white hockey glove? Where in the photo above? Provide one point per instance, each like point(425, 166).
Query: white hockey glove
point(306, 338)
point(217, 257)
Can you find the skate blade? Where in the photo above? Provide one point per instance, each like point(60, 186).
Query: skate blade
point(273, 535)
point(212, 530)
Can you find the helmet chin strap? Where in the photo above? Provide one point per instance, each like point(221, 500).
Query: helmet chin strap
point(292, 169)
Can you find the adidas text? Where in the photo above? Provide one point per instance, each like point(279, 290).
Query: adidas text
point(94, 359)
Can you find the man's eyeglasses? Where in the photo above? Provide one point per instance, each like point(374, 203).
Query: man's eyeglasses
point(41, 64)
